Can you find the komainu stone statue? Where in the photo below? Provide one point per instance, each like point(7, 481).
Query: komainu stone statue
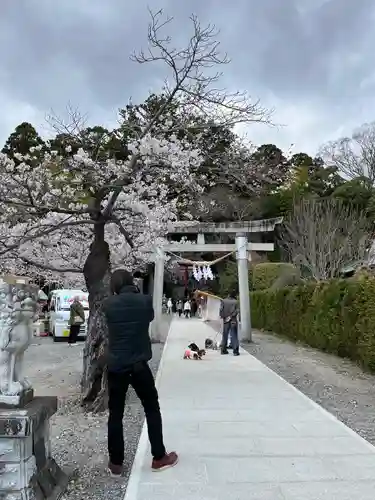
point(27, 469)
point(17, 312)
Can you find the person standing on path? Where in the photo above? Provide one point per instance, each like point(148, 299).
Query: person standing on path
point(187, 308)
point(129, 314)
point(76, 320)
point(229, 314)
point(169, 306)
point(179, 308)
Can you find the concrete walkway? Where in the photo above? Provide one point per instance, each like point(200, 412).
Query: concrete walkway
point(243, 433)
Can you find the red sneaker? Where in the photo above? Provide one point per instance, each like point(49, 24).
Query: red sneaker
point(169, 460)
point(115, 470)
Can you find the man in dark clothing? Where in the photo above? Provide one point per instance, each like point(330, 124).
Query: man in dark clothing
point(229, 314)
point(129, 314)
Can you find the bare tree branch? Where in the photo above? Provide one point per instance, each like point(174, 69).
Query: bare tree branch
point(193, 82)
point(353, 156)
point(324, 236)
point(191, 73)
point(123, 231)
point(72, 125)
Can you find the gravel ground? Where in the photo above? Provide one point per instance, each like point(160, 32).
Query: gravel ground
point(79, 440)
point(338, 385)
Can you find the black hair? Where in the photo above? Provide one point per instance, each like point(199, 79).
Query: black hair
point(119, 279)
point(233, 294)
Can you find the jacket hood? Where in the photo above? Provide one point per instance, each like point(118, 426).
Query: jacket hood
point(129, 289)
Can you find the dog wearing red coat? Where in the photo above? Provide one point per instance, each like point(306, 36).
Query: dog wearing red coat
point(193, 352)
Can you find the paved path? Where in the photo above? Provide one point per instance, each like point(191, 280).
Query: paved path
point(243, 433)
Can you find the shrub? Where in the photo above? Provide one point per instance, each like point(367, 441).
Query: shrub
point(336, 316)
point(261, 276)
point(269, 274)
point(228, 279)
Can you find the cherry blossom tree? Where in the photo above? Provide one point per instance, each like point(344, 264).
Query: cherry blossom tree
point(82, 213)
point(52, 219)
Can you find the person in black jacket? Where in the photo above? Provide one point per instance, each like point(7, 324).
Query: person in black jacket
point(129, 314)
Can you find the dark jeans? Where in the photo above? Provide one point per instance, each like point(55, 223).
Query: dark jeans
point(231, 329)
point(180, 312)
point(74, 332)
point(141, 379)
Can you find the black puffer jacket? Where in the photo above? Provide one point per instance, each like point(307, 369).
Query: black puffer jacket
point(128, 316)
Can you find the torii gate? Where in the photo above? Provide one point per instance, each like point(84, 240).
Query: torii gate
point(243, 246)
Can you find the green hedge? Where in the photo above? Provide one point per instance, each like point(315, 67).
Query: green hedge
point(261, 276)
point(228, 279)
point(336, 316)
point(267, 274)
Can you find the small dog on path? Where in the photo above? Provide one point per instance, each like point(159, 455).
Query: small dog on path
point(212, 344)
point(193, 352)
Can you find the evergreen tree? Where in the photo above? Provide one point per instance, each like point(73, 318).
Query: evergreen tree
point(21, 140)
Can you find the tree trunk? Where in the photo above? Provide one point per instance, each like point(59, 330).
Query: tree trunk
point(97, 276)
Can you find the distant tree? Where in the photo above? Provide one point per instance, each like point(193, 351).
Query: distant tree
point(222, 203)
point(271, 168)
point(22, 141)
point(278, 204)
point(323, 236)
point(312, 177)
point(357, 192)
point(353, 156)
point(271, 158)
point(98, 141)
point(308, 178)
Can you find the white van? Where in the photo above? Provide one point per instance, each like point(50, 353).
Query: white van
point(59, 312)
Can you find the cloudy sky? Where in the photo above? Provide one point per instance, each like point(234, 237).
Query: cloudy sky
point(311, 60)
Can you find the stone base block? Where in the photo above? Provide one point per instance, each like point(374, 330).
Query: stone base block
point(27, 469)
point(18, 401)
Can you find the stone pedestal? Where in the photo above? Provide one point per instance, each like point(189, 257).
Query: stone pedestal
point(27, 469)
point(17, 400)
